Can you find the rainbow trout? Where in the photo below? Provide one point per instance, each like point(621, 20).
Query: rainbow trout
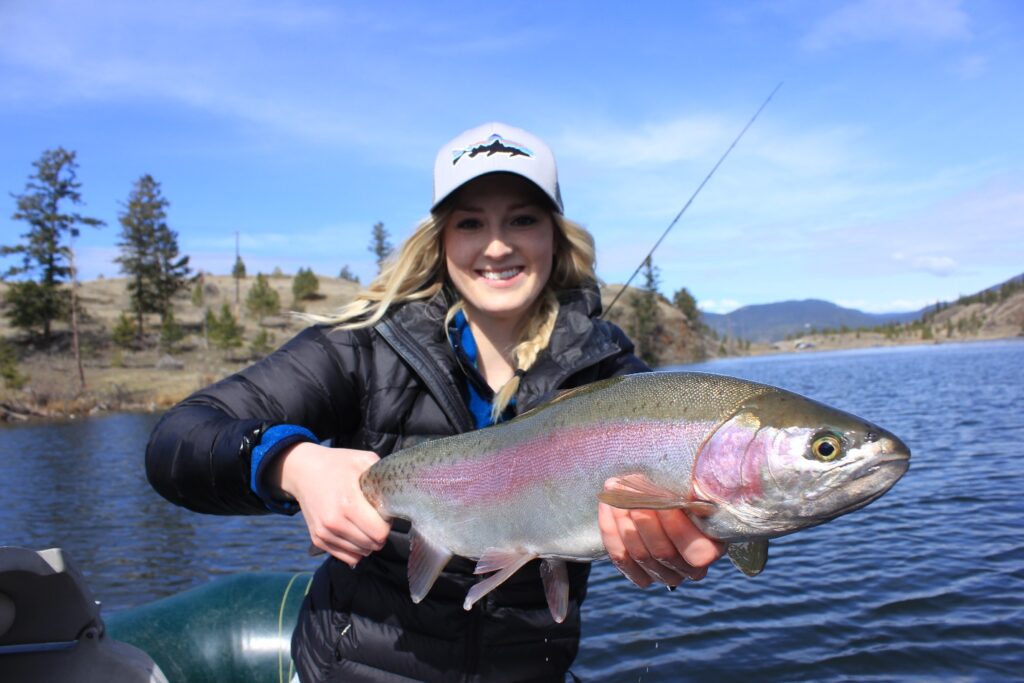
point(747, 462)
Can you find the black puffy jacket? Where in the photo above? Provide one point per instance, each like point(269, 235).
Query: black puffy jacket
point(377, 389)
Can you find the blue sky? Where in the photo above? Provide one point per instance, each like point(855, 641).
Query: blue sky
point(887, 173)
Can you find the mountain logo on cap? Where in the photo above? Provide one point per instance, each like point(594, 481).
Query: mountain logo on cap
point(495, 144)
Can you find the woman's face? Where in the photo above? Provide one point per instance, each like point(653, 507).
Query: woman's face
point(499, 246)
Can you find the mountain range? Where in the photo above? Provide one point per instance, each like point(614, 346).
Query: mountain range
point(774, 322)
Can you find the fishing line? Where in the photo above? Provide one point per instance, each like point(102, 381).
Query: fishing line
point(692, 197)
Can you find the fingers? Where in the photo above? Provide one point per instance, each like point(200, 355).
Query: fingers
point(325, 482)
point(616, 547)
point(696, 549)
point(656, 545)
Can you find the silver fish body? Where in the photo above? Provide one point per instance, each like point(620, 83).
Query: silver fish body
point(746, 461)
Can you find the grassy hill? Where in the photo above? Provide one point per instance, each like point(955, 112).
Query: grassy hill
point(146, 378)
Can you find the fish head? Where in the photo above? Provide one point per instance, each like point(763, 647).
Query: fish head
point(783, 462)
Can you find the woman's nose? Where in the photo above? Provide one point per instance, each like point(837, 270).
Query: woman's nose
point(498, 246)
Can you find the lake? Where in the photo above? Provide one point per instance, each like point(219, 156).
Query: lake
point(925, 584)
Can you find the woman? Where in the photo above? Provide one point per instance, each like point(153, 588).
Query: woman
point(488, 308)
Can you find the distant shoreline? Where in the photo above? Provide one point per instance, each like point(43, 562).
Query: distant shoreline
point(99, 402)
point(148, 380)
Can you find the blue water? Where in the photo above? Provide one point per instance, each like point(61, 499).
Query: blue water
point(925, 584)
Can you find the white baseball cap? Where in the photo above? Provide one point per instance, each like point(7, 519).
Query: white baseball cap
point(495, 148)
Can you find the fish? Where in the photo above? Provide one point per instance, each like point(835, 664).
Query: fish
point(747, 462)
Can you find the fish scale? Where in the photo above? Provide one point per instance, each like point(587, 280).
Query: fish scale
point(737, 456)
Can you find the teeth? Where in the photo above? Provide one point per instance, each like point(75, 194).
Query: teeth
point(500, 274)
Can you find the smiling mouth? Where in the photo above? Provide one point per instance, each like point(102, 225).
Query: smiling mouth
point(501, 275)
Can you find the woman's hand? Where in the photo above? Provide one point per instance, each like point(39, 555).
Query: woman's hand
point(656, 545)
point(325, 483)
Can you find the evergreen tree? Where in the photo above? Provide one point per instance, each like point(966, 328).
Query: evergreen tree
point(305, 285)
point(347, 274)
point(125, 331)
point(225, 332)
point(262, 344)
point(379, 244)
point(170, 332)
point(262, 300)
point(238, 272)
point(646, 327)
point(685, 302)
point(149, 252)
point(46, 252)
point(9, 373)
point(199, 301)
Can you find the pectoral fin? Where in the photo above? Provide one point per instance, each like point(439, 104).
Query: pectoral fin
point(504, 563)
point(555, 576)
point(426, 560)
point(751, 557)
point(639, 492)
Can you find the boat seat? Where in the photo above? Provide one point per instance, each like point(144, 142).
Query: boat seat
point(51, 629)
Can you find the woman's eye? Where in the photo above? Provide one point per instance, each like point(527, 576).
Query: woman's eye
point(468, 224)
point(524, 220)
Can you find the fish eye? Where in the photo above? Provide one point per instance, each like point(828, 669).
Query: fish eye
point(827, 447)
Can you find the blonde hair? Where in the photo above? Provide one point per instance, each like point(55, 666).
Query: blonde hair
point(418, 272)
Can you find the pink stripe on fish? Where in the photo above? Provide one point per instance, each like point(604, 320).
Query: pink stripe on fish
point(566, 454)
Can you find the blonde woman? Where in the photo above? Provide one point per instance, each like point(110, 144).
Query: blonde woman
point(488, 308)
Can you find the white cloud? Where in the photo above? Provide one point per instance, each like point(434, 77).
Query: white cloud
point(901, 305)
point(718, 305)
point(943, 266)
point(873, 21)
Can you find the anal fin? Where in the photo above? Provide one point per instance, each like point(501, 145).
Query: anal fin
point(555, 575)
point(426, 560)
point(750, 557)
point(504, 563)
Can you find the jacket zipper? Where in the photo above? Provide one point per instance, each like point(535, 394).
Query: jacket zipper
point(424, 366)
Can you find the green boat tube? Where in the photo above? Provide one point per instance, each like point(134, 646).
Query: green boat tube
point(236, 628)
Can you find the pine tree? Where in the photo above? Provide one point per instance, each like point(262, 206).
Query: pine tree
point(143, 216)
point(170, 332)
point(379, 244)
point(225, 332)
point(46, 251)
point(9, 373)
point(150, 252)
point(347, 274)
point(646, 327)
point(305, 285)
point(262, 300)
point(125, 331)
point(262, 344)
point(685, 302)
point(238, 272)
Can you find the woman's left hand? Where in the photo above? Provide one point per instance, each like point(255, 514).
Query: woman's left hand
point(656, 545)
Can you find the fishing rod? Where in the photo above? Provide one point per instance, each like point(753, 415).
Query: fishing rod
point(692, 197)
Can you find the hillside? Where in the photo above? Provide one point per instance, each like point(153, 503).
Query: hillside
point(993, 313)
point(148, 379)
point(990, 313)
point(680, 341)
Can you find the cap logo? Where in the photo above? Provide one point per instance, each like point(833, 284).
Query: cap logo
point(495, 144)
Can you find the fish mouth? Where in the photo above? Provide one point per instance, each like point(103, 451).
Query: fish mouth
point(875, 481)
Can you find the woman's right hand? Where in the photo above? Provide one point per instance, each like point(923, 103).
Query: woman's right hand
point(325, 483)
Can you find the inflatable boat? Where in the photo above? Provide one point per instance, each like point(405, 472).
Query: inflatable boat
point(235, 628)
